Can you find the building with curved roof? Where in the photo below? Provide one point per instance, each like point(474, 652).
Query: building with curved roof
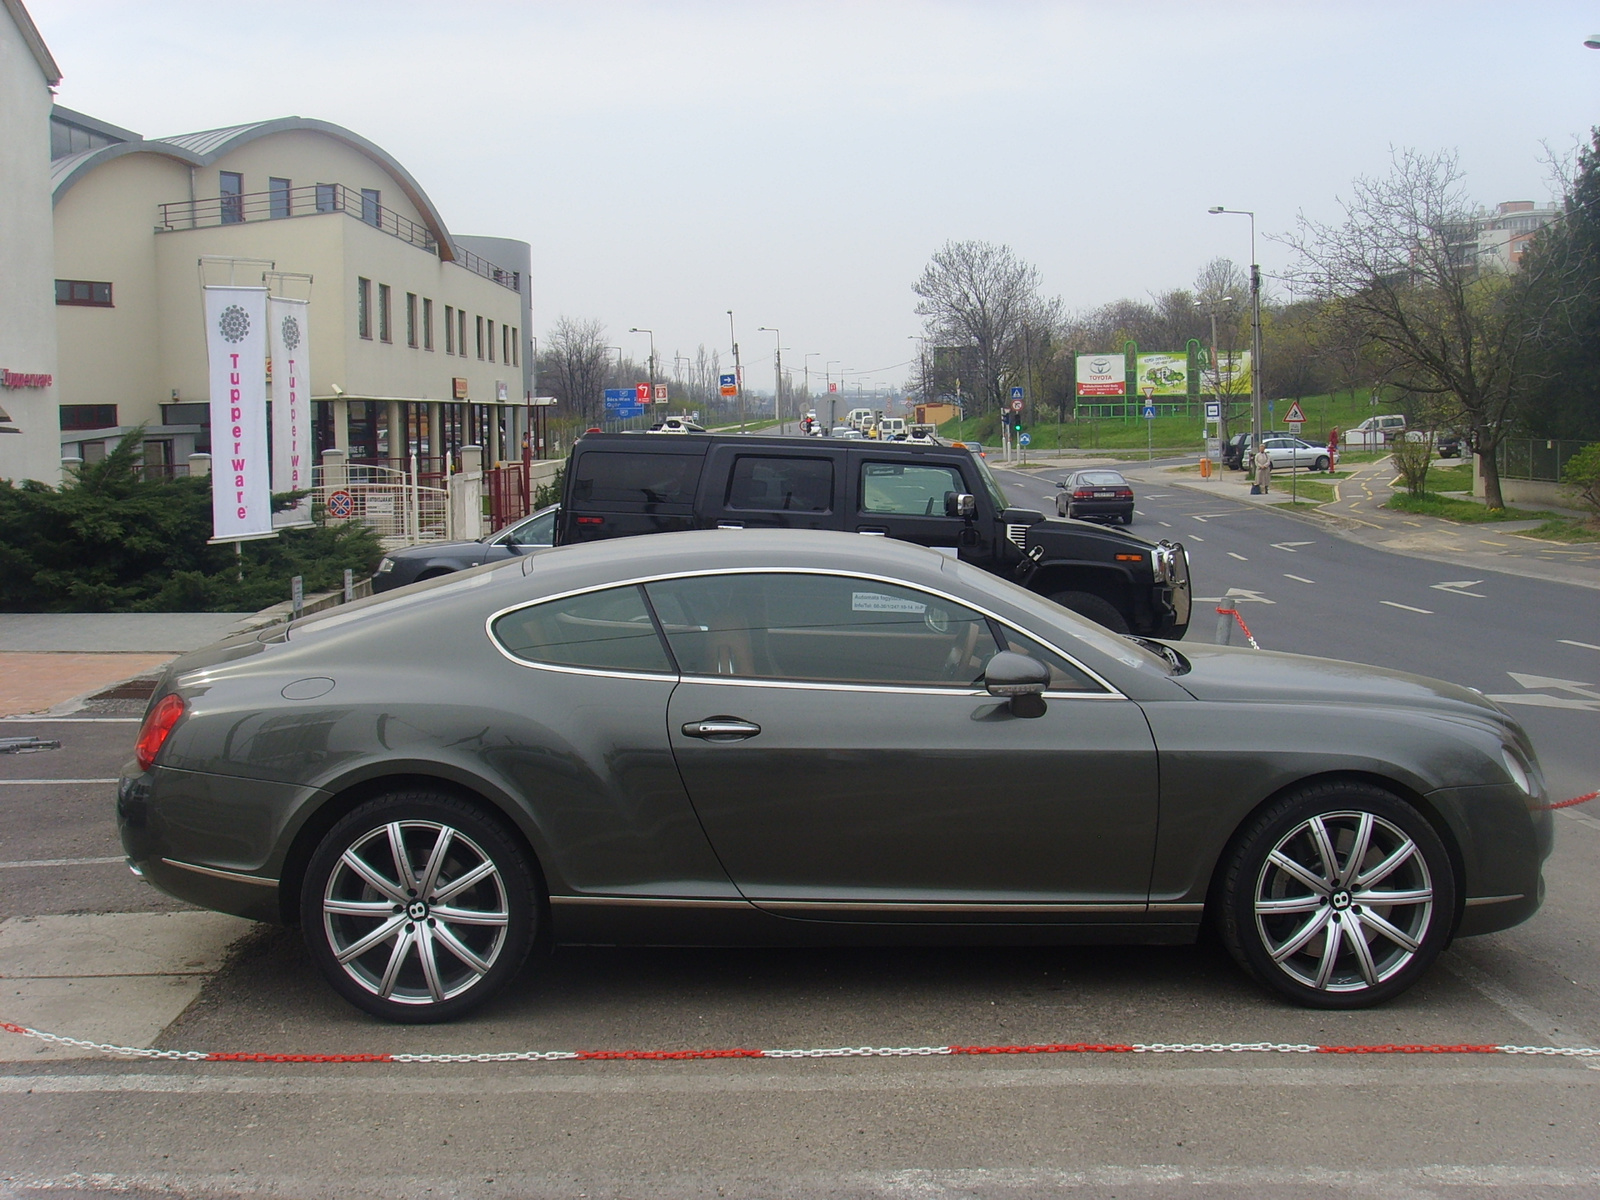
point(418, 340)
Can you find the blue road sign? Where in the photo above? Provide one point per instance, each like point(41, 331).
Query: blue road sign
point(1213, 410)
point(1024, 440)
point(622, 403)
point(1016, 393)
point(1149, 411)
point(729, 380)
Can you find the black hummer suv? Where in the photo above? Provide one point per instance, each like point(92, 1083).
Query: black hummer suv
point(619, 485)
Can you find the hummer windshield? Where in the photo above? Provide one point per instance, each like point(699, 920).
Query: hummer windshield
point(990, 482)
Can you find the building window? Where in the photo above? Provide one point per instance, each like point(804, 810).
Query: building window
point(364, 308)
point(480, 339)
point(516, 347)
point(279, 204)
point(370, 207)
point(461, 330)
point(427, 323)
point(491, 341)
point(449, 330)
point(411, 319)
point(88, 416)
point(232, 189)
point(83, 292)
point(505, 344)
point(384, 334)
point(327, 197)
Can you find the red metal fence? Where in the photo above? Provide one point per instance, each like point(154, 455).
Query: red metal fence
point(508, 494)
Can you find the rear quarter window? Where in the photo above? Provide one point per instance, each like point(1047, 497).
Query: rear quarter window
point(636, 479)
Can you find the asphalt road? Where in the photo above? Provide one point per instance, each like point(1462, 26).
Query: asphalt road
point(1173, 1125)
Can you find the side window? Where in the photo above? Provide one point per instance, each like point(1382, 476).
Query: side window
point(907, 489)
point(821, 629)
point(636, 478)
point(772, 484)
point(1064, 675)
point(606, 631)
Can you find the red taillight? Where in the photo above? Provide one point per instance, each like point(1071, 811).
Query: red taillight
point(1083, 494)
point(157, 725)
point(1124, 493)
point(591, 520)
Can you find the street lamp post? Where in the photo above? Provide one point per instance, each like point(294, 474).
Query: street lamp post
point(1255, 326)
point(738, 373)
point(828, 373)
point(777, 375)
point(652, 334)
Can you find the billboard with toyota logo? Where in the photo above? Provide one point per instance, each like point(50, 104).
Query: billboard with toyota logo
point(1102, 375)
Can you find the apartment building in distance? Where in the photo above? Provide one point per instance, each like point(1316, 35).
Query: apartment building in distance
point(418, 337)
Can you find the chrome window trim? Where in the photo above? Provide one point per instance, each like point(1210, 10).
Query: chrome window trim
point(1110, 692)
point(645, 902)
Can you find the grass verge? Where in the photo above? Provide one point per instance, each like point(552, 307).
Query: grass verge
point(1566, 529)
point(1468, 512)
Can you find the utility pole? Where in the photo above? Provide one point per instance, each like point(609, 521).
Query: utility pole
point(738, 372)
point(1255, 328)
point(777, 377)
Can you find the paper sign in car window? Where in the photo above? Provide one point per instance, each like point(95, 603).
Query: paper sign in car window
point(878, 602)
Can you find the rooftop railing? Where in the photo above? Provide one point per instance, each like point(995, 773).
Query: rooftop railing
point(312, 199)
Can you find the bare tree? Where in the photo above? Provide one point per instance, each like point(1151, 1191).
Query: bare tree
point(978, 298)
point(1403, 275)
point(573, 364)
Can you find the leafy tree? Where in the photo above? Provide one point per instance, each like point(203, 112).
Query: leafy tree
point(1403, 275)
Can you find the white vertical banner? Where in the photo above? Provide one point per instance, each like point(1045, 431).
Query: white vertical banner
point(236, 344)
point(289, 336)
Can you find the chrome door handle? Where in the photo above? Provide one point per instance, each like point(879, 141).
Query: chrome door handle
point(721, 729)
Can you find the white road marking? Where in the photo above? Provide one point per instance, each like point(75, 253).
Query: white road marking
point(60, 862)
point(1195, 537)
point(1541, 700)
point(1427, 612)
point(1290, 546)
point(1458, 587)
point(1240, 557)
point(1298, 578)
point(1246, 596)
point(30, 782)
point(1166, 524)
point(1574, 815)
point(1576, 686)
point(1580, 645)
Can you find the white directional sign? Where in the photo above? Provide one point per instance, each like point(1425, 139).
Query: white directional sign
point(1291, 547)
point(1459, 587)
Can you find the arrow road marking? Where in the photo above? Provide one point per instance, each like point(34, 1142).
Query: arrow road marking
point(1298, 578)
point(1580, 645)
point(1290, 546)
point(1458, 587)
point(1540, 700)
point(1427, 612)
point(1246, 596)
point(1559, 685)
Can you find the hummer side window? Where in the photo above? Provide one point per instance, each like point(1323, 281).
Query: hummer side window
point(772, 484)
point(907, 489)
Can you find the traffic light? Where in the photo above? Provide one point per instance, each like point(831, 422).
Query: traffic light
point(1016, 422)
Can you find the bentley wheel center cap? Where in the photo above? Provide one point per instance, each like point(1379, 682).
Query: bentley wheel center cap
point(416, 910)
point(1341, 900)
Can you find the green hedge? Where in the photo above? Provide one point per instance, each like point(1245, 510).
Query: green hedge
point(109, 541)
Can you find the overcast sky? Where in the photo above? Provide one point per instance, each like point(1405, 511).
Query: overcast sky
point(799, 162)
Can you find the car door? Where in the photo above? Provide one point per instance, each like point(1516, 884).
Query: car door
point(903, 497)
point(769, 489)
point(846, 764)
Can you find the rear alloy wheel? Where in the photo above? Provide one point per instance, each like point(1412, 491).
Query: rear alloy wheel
point(1322, 464)
point(1098, 609)
point(417, 907)
point(1340, 896)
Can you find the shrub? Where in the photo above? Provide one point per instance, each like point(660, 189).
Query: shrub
point(1582, 475)
point(1412, 458)
point(109, 541)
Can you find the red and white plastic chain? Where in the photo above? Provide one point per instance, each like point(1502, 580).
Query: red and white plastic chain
point(824, 1052)
point(1245, 629)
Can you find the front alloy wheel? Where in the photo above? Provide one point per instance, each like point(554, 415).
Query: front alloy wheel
point(1340, 897)
point(417, 908)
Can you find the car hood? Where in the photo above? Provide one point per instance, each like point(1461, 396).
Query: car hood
point(1222, 673)
point(1059, 525)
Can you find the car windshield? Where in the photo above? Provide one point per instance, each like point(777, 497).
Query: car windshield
point(989, 481)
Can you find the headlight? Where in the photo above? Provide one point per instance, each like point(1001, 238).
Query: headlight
point(1514, 768)
point(386, 565)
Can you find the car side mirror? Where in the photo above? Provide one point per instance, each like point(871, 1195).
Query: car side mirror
point(1061, 483)
point(1020, 679)
point(960, 504)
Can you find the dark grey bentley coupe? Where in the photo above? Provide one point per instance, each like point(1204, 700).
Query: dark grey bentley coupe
point(755, 738)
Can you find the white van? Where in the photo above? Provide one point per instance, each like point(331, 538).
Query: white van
point(1376, 431)
point(859, 418)
point(892, 428)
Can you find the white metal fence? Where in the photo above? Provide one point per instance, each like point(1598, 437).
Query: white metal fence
point(388, 501)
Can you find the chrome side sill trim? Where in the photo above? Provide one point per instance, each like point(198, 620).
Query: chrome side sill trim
point(644, 902)
point(894, 907)
point(1177, 908)
point(217, 873)
point(1474, 901)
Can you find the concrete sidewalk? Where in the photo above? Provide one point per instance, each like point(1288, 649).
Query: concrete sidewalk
point(54, 662)
point(1357, 514)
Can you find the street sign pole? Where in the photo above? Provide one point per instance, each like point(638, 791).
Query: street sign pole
point(1149, 423)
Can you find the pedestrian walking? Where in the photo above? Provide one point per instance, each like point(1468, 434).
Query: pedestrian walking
point(1263, 462)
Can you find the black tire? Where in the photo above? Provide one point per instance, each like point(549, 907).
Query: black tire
point(1096, 608)
point(1062, 510)
point(1321, 464)
point(1127, 520)
point(1278, 926)
point(411, 972)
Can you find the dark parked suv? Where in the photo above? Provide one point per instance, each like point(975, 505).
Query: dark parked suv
point(938, 496)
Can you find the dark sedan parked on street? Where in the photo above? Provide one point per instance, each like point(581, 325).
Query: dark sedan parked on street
point(429, 560)
point(1098, 495)
point(765, 738)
